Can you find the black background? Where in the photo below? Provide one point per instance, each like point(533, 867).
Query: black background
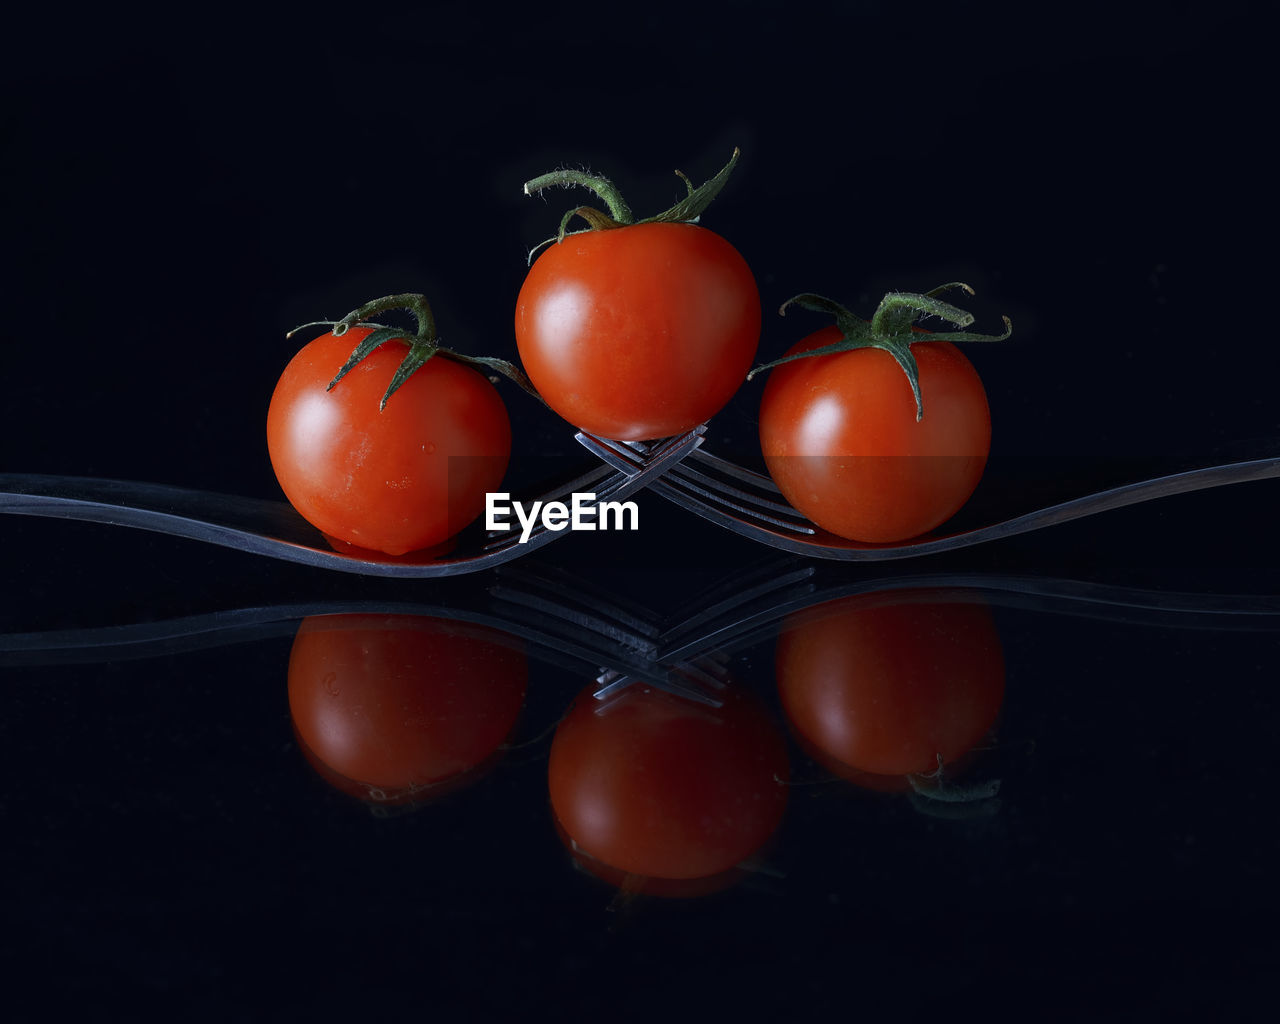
point(178, 198)
point(179, 193)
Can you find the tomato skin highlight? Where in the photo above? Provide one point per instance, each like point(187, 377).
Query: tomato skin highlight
point(888, 683)
point(394, 480)
point(657, 786)
point(639, 332)
point(395, 704)
point(841, 440)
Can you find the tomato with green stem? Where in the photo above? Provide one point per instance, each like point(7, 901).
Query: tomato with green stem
point(877, 431)
point(385, 449)
point(637, 330)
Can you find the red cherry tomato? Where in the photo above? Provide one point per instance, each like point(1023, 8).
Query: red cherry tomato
point(398, 705)
point(841, 440)
point(656, 785)
point(888, 683)
point(394, 480)
point(638, 332)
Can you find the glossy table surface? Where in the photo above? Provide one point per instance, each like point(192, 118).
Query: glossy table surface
point(1108, 841)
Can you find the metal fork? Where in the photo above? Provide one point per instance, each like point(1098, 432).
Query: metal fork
point(750, 504)
point(274, 529)
point(677, 468)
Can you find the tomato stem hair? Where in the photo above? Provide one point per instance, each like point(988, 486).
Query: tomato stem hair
point(415, 304)
point(312, 323)
point(688, 210)
point(423, 346)
point(891, 328)
point(568, 177)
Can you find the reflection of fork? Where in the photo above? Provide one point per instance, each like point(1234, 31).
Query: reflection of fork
point(689, 651)
point(569, 623)
point(274, 529)
point(627, 638)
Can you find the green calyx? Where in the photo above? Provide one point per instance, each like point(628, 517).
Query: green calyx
point(891, 328)
point(687, 210)
point(423, 344)
point(939, 796)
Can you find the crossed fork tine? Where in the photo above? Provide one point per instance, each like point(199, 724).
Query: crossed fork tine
point(652, 456)
point(722, 487)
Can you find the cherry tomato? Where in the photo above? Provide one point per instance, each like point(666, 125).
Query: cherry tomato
point(398, 479)
point(396, 705)
point(888, 683)
point(841, 439)
point(656, 785)
point(638, 332)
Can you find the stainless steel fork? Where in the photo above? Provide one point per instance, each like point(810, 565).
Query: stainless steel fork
point(750, 504)
point(274, 529)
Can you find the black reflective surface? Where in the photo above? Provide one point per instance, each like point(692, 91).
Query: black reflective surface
point(193, 827)
point(172, 834)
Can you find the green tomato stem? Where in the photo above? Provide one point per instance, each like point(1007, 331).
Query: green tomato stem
point(898, 311)
point(423, 346)
point(416, 304)
point(567, 177)
point(690, 208)
point(891, 329)
point(687, 210)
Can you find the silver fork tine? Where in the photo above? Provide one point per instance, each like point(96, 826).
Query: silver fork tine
point(510, 538)
point(612, 684)
point(691, 485)
point(703, 499)
point(632, 457)
point(557, 593)
point(703, 675)
point(708, 617)
point(750, 476)
point(762, 505)
point(694, 476)
point(620, 458)
point(627, 463)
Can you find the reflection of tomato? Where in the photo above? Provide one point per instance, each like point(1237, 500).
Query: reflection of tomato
point(888, 683)
point(656, 785)
point(398, 704)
